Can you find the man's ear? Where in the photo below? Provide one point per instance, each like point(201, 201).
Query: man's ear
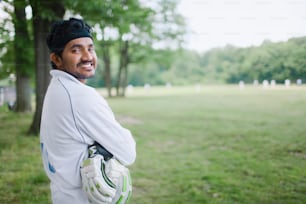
point(56, 60)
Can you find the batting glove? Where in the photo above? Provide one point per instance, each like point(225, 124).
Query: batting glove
point(96, 184)
point(120, 175)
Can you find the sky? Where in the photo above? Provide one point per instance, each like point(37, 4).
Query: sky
point(242, 23)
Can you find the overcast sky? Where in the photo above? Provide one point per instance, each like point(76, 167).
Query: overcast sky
point(215, 23)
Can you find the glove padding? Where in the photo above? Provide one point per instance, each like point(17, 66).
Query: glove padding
point(105, 182)
point(96, 184)
point(120, 175)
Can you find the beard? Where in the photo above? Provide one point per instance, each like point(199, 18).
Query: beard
point(79, 75)
point(82, 76)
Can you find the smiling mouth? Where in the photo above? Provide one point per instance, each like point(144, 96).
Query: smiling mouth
point(86, 64)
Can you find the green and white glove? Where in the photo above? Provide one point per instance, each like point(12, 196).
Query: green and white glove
point(96, 184)
point(105, 182)
point(120, 175)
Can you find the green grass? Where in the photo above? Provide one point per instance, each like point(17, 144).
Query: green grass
point(221, 145)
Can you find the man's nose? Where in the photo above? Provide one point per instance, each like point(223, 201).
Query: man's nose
point(87, 56)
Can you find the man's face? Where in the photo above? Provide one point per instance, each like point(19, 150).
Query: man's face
point(78, 58)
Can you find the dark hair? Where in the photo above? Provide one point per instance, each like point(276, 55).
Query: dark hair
point(64, 31)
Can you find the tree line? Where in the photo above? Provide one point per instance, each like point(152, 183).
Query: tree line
point(270, 61)
point(122, 28)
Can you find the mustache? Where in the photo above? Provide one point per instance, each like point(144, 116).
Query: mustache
point(85, 62)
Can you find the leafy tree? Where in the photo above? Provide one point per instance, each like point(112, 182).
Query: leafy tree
point(16, 51)
point(7, 56)
point(158, 25)
point(23, 58)
point(133, 24)
point(43, 14)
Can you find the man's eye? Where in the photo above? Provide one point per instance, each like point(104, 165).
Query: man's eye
point(76, 50)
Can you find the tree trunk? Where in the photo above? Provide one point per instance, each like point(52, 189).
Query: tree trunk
point(23, 93)
point(125, 66)
point(42, 69)
point(118, 85)
point(125, 79)
point(22, 62)
point(41, 27)
point(122, 72)
point(107, 69)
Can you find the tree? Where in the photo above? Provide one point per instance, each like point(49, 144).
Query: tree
point(156, 25)
point(43, 14)
point(107, 66)
point(7, 56)
point(14, 49)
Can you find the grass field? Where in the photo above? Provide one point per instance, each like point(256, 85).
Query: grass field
point(217, 145)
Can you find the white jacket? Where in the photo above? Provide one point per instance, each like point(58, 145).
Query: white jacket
point(74, 116)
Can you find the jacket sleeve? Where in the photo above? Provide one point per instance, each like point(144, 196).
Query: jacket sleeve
point(95, 120)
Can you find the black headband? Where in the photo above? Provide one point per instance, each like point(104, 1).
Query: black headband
point(64, 31)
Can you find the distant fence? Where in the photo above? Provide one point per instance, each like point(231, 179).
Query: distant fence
point(7, 95)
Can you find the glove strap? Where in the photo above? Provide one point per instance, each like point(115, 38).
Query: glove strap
point(96, 148)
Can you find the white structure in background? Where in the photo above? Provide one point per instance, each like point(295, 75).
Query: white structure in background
point(287, 82)
point(241, 85)
point(197, 88)
point(299, 82)
point(265, 83)
point(273, 83)
point(147, 88)
point(7, 95)
point(168, 85)
point(129, 89)
point(255, 83)
point(8, 92)
point(12, 78)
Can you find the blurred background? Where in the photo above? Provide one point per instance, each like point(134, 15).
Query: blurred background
point(237, 68)
point(157, 43)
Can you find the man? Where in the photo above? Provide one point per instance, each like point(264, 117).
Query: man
point(75, 116)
